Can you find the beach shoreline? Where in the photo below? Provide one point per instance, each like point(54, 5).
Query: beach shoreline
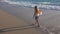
point(14, 15)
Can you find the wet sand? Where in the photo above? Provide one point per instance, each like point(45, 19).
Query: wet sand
point(14, 16)
point(10, 24)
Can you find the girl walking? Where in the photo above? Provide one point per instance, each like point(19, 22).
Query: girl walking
point(36, 15)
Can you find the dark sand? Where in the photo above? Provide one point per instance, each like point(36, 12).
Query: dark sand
point(13, 18)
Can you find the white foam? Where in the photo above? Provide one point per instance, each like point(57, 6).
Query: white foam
point(31, 4)
point(4, 0)
point(44, 2)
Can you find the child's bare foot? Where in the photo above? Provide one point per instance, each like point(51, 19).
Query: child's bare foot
point(38, 26)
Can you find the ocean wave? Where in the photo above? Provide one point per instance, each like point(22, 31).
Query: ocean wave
point(46, 5)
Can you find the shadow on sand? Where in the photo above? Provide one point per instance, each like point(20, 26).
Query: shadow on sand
point(49, 30)
point(17, 28)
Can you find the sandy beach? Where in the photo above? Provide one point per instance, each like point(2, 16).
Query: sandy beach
point(10, 24)
point(18, 20)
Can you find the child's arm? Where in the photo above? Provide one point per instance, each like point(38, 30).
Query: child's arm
point(40, 11)
point(33, 15)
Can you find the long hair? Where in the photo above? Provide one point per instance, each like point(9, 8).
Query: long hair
point(36, 9)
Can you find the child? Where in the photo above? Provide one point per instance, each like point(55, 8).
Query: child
point(36, 15)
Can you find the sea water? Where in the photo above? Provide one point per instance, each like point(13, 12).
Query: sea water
point(45, 4)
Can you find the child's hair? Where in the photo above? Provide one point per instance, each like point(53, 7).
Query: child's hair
point(36, 9)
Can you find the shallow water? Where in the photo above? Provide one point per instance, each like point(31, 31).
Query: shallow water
point(46, 4)
point(50, 20)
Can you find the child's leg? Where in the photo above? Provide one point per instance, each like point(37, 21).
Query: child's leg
point(37, 23)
